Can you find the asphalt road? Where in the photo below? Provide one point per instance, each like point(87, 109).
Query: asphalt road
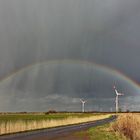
point(55, 133)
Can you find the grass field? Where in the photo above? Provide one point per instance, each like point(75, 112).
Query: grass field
point(126, 127)
point(24, 122)
point(15, 117)
point(99, 133)
point(103, 133)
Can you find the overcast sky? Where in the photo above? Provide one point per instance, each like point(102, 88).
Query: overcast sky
point(54, 52)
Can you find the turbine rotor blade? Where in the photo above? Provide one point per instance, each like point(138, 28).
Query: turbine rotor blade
point(120, 94)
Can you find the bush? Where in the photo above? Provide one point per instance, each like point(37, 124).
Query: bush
point(50, 112)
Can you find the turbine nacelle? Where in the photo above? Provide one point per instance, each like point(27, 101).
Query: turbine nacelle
point(120, 94)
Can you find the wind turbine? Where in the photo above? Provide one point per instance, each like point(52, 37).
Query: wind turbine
point(117, 98)
point(83, 104)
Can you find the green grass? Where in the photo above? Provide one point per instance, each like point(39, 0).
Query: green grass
point(26, 117)
point(100, 133)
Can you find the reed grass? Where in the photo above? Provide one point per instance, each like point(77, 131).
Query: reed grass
point(13, 126)
point(128, 126)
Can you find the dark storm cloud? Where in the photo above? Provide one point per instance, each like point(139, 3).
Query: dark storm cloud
point(61, 83)
point(106, 32)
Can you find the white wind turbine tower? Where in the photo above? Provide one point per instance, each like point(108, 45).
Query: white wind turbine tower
point(117, 98)
point(83, 104)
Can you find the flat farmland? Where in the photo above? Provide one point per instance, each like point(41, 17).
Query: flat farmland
point(13, 123)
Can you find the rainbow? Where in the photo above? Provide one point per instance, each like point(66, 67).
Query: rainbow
point(103, 68)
